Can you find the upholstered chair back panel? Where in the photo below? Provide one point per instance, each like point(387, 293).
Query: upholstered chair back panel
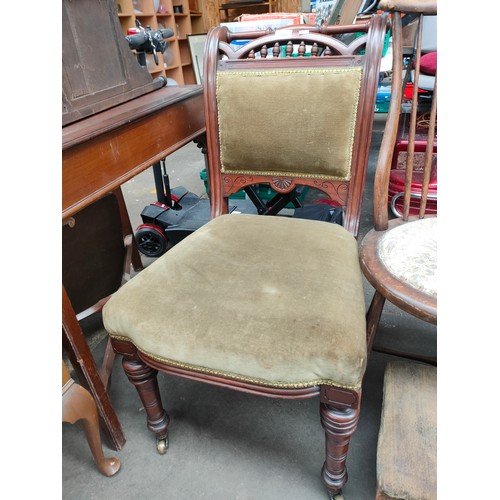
point(252, 143)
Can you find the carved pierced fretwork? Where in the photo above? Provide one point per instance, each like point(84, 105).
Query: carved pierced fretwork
point(338, 190)
point(201, 143)
point(277, 43)
point(232, 184)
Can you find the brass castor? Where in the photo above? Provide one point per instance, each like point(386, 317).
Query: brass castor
point(162, 446)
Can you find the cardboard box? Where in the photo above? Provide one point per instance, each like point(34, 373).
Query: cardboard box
point(295, 18)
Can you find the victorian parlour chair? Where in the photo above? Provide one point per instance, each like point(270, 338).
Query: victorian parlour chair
point(398, 256)
point(268, 304)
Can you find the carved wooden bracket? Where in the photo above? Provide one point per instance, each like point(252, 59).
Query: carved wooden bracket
point(337, 190)
point(339, 398)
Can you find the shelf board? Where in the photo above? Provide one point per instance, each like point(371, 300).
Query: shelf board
point(179, 22)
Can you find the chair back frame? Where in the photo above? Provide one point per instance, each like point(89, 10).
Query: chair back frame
point(346, 193)
point(385, 160)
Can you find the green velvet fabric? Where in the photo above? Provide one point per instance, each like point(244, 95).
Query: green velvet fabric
point(312, 127)
point(268, 300)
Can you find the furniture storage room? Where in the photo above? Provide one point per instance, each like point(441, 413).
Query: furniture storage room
point(249, 250)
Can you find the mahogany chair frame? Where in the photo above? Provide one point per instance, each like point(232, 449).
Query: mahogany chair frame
point(339, 407)
point(387, 286)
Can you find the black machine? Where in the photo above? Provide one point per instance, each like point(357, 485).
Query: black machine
point(177, 212)
point(147, 41)
point(162, 219)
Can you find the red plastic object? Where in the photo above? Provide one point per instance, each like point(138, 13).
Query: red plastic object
point(396, 190)
point(408, 92)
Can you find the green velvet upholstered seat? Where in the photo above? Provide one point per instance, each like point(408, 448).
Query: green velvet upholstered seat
point(213, 304)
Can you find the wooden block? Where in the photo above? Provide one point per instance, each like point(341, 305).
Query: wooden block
point(407, 448)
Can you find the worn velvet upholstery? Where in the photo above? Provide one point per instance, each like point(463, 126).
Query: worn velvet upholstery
point(212, 303)
point(252, 143)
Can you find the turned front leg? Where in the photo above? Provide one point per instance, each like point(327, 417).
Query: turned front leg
point(145, 381)
point(339, 425)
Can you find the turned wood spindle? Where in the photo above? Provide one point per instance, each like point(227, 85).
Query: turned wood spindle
point(314, 50)
point(276, 50)
point(302, 49)
point(289, 49)
point(251, 54)
point(263, 52)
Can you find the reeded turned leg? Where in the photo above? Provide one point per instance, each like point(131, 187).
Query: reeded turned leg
point(339, 425)
point(145, 381)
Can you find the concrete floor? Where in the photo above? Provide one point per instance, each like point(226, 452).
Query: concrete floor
point(226, 445)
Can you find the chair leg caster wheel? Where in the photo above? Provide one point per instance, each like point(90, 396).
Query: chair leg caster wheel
point(162, 446)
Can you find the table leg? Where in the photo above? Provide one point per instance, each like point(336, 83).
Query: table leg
point(83, 362)
point(127, 229)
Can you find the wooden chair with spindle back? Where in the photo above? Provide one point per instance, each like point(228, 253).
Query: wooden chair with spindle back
point(399, 255)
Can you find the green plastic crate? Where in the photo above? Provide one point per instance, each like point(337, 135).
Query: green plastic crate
point(386, 42)
point(240, 195)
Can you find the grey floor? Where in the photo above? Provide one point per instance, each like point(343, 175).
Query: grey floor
point(226, 445)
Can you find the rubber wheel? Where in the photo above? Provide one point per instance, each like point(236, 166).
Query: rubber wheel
point(151, 242)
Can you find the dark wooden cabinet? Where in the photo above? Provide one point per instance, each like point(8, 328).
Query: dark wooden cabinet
point(99, 70)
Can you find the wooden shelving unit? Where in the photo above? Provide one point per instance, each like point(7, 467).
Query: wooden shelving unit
point(230, 9)
point(181, 16)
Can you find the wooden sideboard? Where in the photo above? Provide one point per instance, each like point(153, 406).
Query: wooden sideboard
point(101, 152)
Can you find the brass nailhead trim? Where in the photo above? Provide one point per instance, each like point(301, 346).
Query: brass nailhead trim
point(233, 376)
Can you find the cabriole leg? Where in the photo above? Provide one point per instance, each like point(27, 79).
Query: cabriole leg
point(145, 381)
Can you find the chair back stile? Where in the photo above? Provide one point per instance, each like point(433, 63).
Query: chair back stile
point(381, 180)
